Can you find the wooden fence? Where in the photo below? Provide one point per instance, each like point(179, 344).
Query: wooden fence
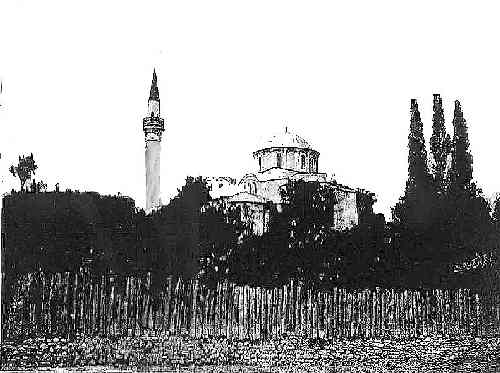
point(69, 304)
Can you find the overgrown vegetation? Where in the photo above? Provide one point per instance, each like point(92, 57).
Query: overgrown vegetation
point(442, 221)
point(443, 218)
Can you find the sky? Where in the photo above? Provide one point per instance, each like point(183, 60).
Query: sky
point(76, 78)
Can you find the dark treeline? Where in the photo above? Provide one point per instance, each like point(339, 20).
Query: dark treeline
point(57, 231)
point(194, 237)
point(190, 237)
point(61, 231)
point(441, 221)
point(302, 243)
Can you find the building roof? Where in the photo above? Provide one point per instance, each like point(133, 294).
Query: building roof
point(285, 139)
point(276, 173)
point(246, 197)
point(222, 186)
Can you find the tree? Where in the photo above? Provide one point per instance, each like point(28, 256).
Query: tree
point(496, 209)
point(220, 229)
point(302, 242)
point(469, 224)
point(418, 172)
point(189, 234)
point(440, 145)
point(309, 210)
point(26, 166)
point(265, 260)
point(440, 221)
point(38, 186)
point(416, 215)
point(171, 246)
point(57, 230)
point(414, 209)
point(295, 244)
point(460, 173)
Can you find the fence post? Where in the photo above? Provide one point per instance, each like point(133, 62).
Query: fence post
point(272, 330)
point(194, 285)
point(296, 306)
point(226, 309)
point(231, 312)
point(315, 312)
point(326, 330)
point(478, 316)
point(237, 312)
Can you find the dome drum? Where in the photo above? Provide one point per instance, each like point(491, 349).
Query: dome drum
point(287, 151)
point(296, 159)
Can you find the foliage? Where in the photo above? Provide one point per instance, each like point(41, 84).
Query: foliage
point(309, 209)
point(189, 235)
point(468, 223)
point(220, 229)
point(440, 145)
point(418, 172)
point(264, 260)
point(171, 247)
point(440, 221)
point(414, 209)
point(302, 243)
point(61, 231)
point(24, 169)
point(460, 173)
point(364, 204)
point(38, 186)
point(496, 209)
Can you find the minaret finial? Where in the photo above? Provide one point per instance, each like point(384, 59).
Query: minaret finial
point(154, 94)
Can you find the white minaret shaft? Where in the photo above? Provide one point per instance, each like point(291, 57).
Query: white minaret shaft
point(153, 127)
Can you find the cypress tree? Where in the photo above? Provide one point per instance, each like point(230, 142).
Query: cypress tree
point(460, 173)
point(414, 207)
point(418, 172)
point(440, 145)
point(469, 221)
point(496, 209)
point(414, 214)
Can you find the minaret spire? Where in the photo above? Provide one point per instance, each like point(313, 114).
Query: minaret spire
point(154, 93)
point(154, 98)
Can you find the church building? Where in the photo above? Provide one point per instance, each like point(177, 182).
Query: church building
point(285, 157)
point(282, 158)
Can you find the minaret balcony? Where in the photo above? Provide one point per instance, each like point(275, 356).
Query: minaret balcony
point(153, 123)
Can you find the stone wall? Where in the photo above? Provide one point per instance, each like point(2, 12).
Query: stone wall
point(346, 212)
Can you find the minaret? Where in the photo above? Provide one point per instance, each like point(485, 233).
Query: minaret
point(153, 127)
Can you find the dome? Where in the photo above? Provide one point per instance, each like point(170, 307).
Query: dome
point(285, 139)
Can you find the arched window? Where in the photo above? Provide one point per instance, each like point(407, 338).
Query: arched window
point(302, 161)
point(278, 160)
point(311, 165)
